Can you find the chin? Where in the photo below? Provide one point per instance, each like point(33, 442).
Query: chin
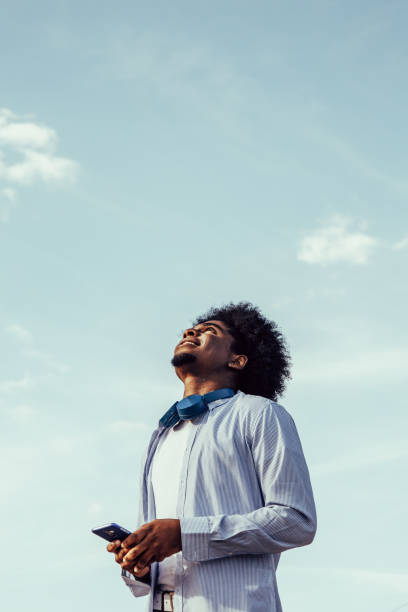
point(180, 359)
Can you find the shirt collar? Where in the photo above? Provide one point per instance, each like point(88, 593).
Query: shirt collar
point(216, 403)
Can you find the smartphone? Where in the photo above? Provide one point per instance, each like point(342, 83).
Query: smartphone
point(111, 532)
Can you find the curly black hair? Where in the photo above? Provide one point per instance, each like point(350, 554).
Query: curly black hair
point(268, 366)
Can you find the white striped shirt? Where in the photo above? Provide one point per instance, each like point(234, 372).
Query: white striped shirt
point(244, 497)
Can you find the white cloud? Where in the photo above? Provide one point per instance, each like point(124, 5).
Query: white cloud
point(335, 242)
point(38, 165)
point(19, 332)
point(28, 154)
point(23, 134)
point(6, 115)
point(10, 386)
point(401, 244)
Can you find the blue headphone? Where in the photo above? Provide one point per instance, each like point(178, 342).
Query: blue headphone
point(193, 405)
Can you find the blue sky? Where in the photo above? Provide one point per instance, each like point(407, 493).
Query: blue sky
point(156, 159)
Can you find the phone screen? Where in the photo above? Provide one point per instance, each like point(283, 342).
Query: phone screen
point(112, 532)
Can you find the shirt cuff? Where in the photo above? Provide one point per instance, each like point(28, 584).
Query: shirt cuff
point(138, 587)
point(195, 536)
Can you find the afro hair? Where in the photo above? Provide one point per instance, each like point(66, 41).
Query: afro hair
point(268, 366)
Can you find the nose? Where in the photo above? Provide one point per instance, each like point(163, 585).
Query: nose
point(191, 332)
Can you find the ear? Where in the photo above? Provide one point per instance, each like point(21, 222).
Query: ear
point(238, 362)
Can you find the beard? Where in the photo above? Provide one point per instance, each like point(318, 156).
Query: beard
point(182, 359)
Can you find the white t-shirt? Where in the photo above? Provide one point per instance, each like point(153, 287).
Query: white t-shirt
point(166, 471)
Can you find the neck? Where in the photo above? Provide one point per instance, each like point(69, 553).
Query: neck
point(202, 385)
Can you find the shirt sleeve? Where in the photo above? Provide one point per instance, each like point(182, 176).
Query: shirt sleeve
point(288, 516)
point(138, 586)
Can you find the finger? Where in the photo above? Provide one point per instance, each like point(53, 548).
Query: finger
point(140, 562)
point(139, 573)
point(119, 556)
point(113, 546)
point(134, 553)
point(130, 563)
point(144, 561)
point(137, 536)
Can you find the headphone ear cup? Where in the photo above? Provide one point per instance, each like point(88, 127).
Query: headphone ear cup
point(191, 406)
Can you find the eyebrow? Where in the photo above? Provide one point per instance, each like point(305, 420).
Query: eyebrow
point(211, 324)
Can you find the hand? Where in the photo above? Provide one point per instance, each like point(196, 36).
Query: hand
point(153, 541)
point(115, 547)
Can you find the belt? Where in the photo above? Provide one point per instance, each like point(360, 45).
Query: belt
point(163, 601)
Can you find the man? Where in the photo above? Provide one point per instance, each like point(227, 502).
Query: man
point(225, 486)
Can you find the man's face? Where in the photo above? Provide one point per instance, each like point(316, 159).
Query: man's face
point(207, 347)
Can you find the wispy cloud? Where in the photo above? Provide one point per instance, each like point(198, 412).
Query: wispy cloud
point(25, 339)
point(189, 70)
point(356, 158)
point(401, 244)
point(9, 194)
point(10, 386)
point(20, 333)
point(47, 360)
point(336, 242)
point(171, 66)
point(28, 154)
